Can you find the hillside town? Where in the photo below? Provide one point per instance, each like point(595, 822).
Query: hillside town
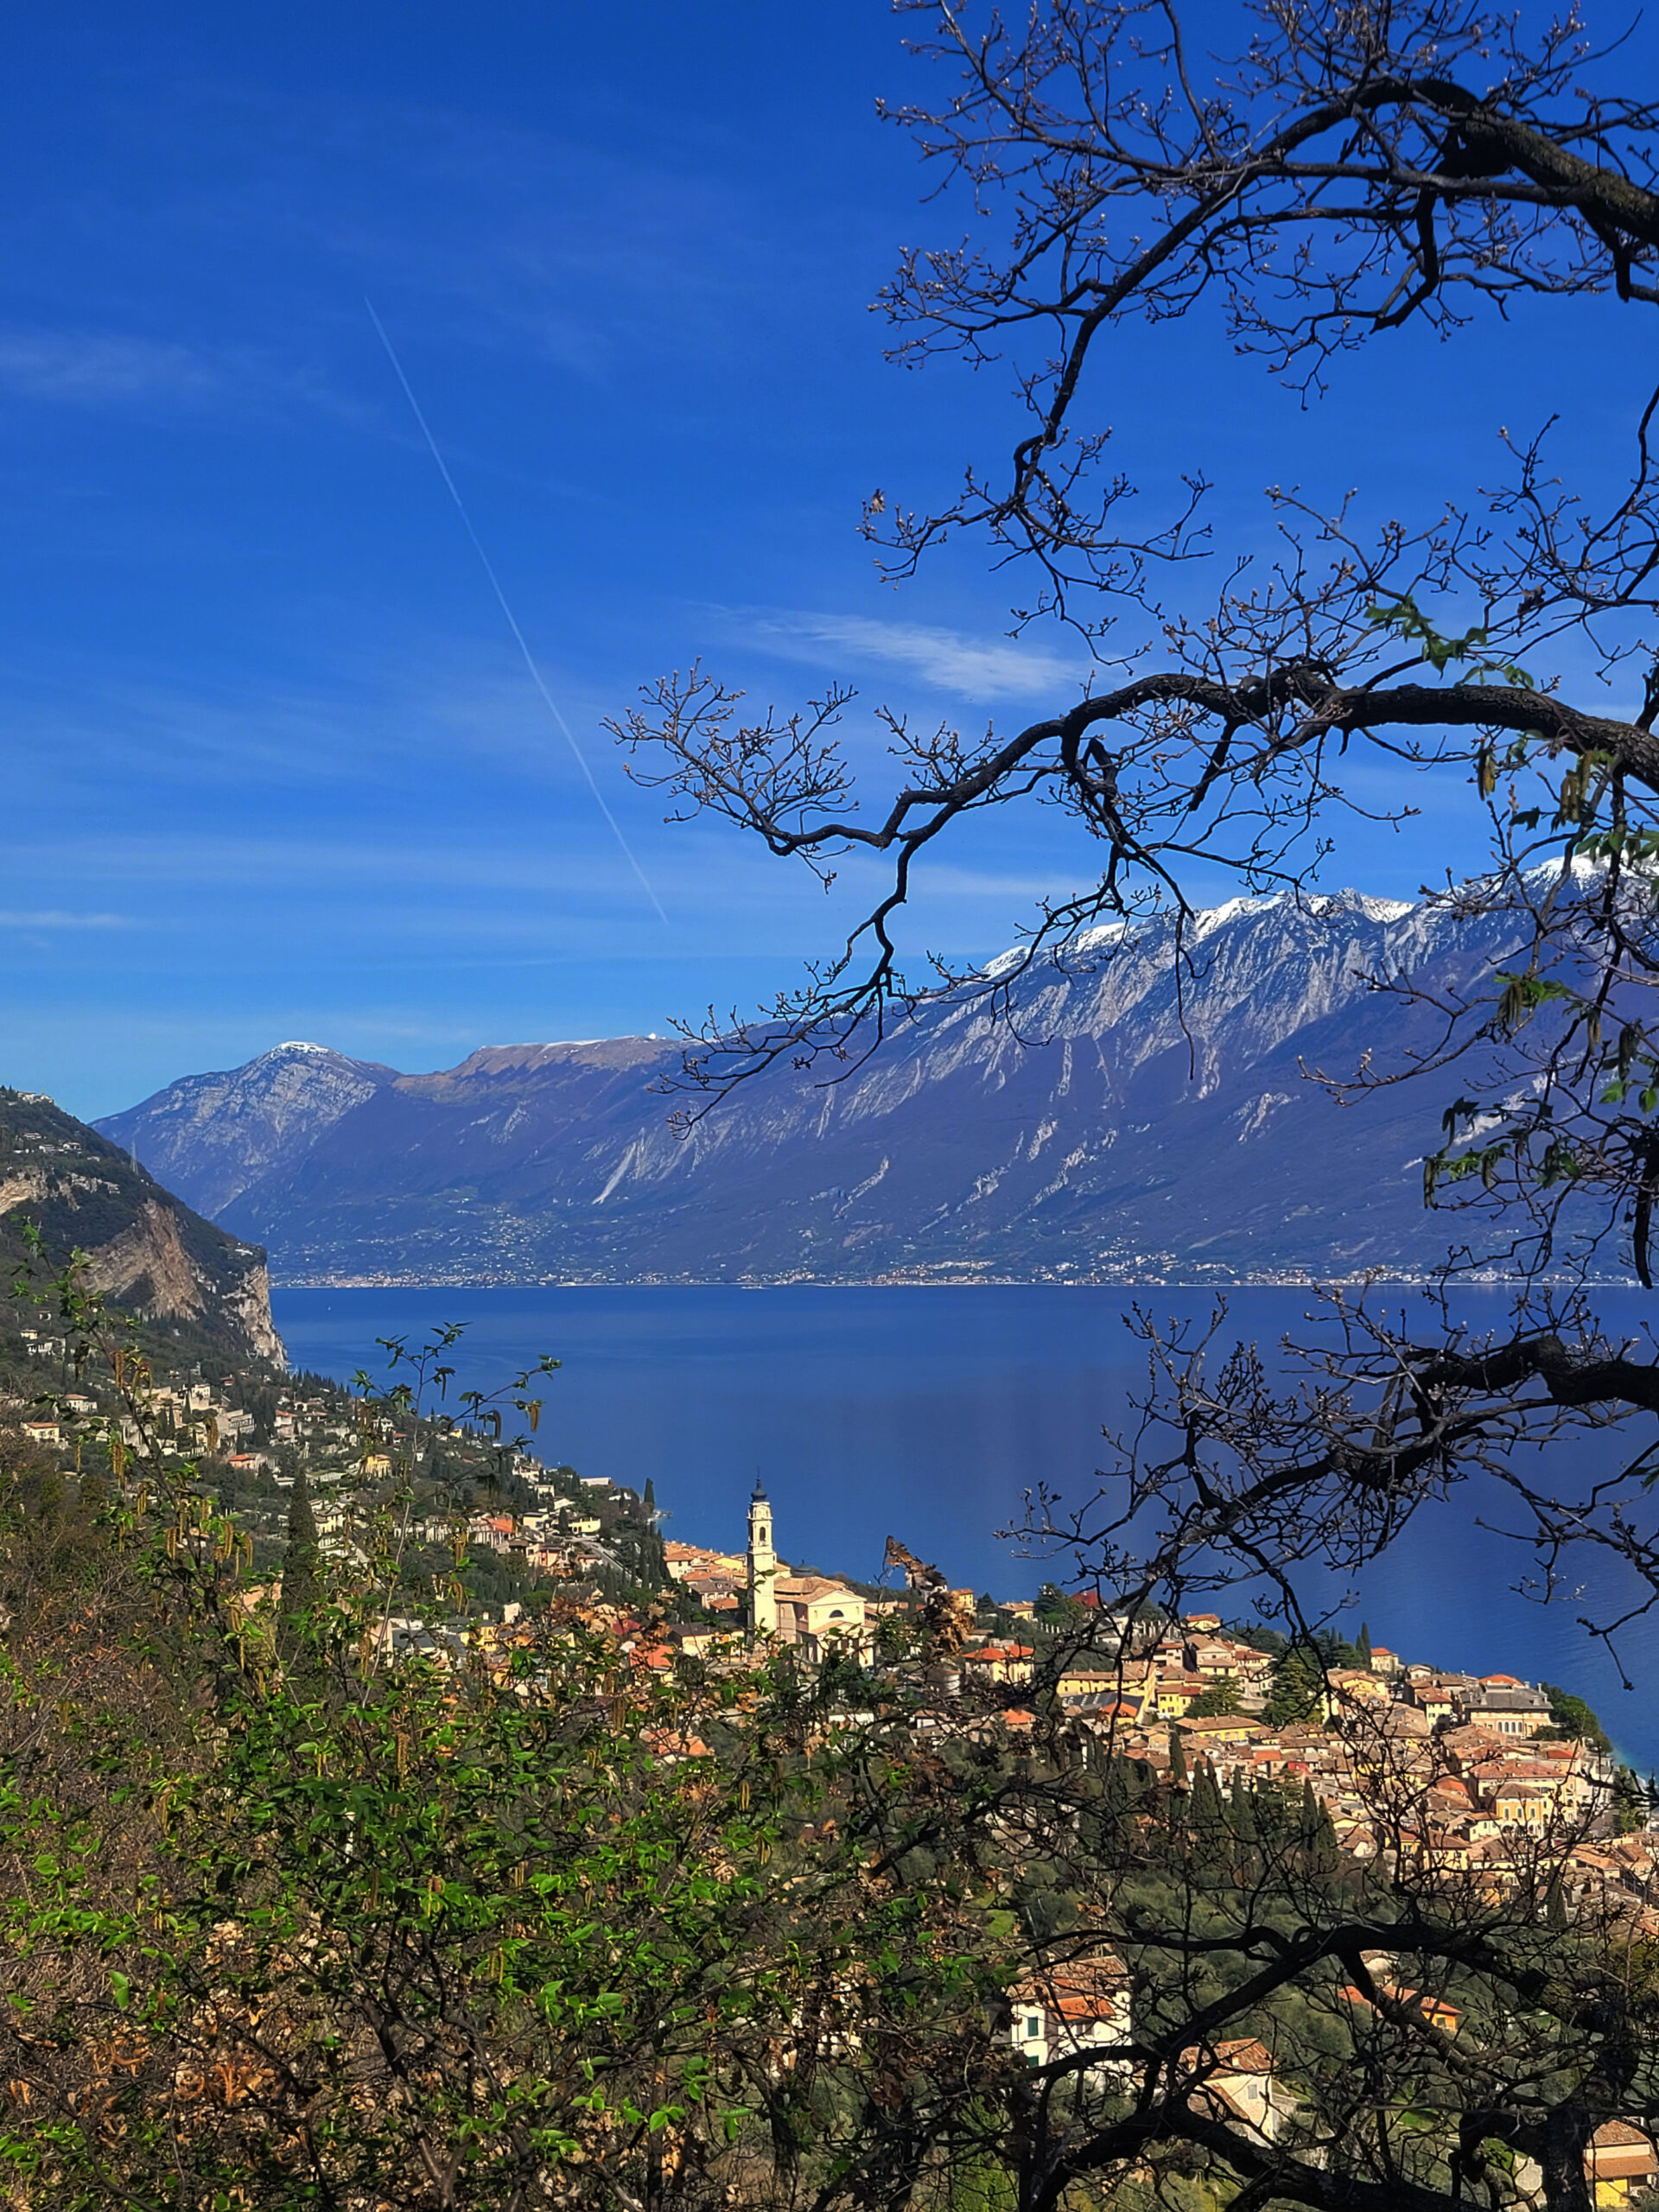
point(1437, 1767)
point(1436, 1777)
point(1424, 1773)
point(1439, 1775)
point(1429, 1775)
point(468, 1509)
point(1445, 1771)
point(1442, 1769)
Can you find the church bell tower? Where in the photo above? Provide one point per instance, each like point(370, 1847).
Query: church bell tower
point(763, 1566)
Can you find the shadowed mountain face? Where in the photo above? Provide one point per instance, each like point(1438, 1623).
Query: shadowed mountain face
point(1131, 1120)
point(211, 1134)
point(200, 1290)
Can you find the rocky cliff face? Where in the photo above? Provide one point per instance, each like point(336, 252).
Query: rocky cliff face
point(1134, 1118)
point(196, 1285)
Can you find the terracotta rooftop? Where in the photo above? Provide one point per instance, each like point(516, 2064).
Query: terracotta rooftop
point(1242, 2055)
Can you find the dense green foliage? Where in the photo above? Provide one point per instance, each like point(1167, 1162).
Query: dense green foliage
point(1298, 1688)
point(287, 1921)
point(1570, 1716)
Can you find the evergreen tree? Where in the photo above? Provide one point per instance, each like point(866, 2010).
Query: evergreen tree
point(1571, 1716)
point(1120, 1791)
point(1631, 1802)
point(653, 1559)
point(1214, 1848)
point(649, 1503)
point(1312, 1813)
point(1363, 1646)
point(1216, 1703)
point(1207, 1809)
point(1325, 1854)
point(1177, 1757)
point(1298, 1684)
point(1056, 1609)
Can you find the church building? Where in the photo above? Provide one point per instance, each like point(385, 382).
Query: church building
point(808, 1611)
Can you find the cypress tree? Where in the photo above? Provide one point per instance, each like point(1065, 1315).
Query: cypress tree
point(1207, 1821)
point(1316, 1835)
point(1206, 1798)
point(1118, 1791)
point(1363, 1646)
point(1328, 1853)
point(650, 1500)
point(1177, 1757)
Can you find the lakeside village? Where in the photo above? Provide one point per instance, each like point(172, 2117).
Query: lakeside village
point(1478, 1762)
point(1400, 1762)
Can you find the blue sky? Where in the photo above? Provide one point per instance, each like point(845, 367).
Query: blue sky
point(274, 766)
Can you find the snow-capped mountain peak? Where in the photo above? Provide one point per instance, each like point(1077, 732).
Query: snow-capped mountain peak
point(1132, 1117)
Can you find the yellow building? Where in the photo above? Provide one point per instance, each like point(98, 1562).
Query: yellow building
point(810, 1611)
point(1618, 2155)
point(813, 1612)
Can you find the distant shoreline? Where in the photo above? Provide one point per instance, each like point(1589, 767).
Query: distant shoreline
point(933, 1281)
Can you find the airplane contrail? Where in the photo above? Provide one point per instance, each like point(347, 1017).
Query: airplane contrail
point(536, 675)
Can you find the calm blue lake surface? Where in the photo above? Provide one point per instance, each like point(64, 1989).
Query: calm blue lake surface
point(926, 1414)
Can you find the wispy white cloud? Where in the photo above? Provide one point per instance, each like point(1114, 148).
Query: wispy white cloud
point(101, 369)
point(947, 660)
point(364, 713)
point(53, 919)
point(116, 371)
point(477, 880)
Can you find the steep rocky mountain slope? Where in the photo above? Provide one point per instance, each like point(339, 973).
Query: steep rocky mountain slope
point(210, 1135)
point(1135, 1119)
point(196, 1287)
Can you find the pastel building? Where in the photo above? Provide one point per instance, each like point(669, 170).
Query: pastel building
point(812, 1612)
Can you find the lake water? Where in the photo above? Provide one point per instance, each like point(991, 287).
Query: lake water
point(926, 1414)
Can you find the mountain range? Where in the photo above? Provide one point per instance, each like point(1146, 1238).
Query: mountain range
point(1128, 1118)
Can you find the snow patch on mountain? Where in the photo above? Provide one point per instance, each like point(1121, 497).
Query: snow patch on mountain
point(1140, 1075)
